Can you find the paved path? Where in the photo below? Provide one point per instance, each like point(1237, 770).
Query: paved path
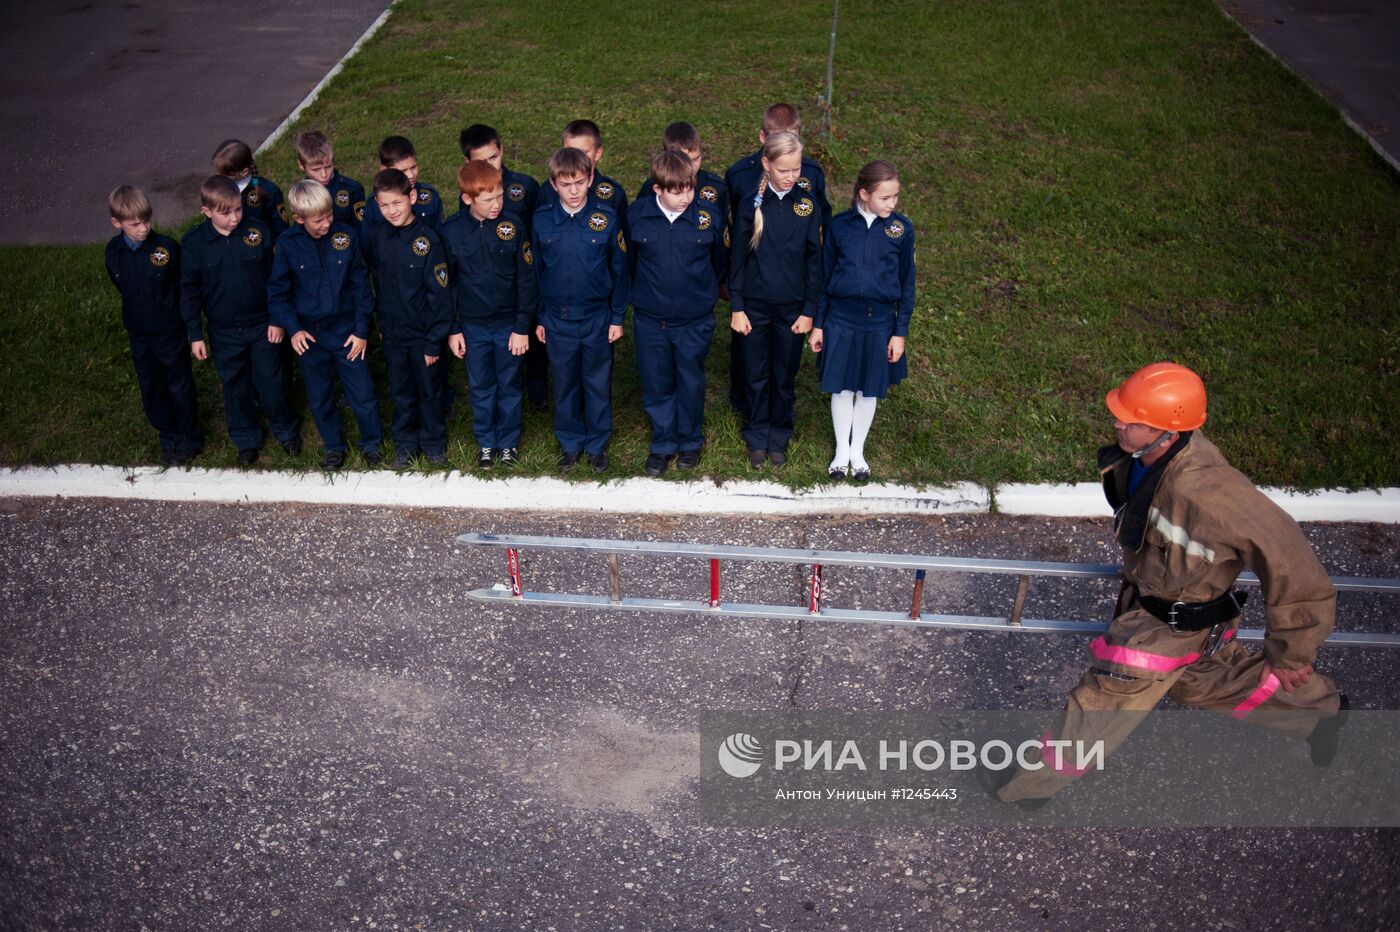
point(1348, 49)
point(96, 94)
point(290, 717)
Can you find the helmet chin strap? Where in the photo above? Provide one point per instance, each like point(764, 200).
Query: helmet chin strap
point(1143, 451)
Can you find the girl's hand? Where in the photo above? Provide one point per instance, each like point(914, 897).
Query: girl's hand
point(814, 339)
point(895, 350)
point(739, 323)
point(803, 324)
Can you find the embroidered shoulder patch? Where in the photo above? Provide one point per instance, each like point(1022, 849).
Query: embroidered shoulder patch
point(360, 211)
point(252, 195)
point(621, 241)
point(421, 246)
point(282, 212)
point(804, 183)
point(604, 191)
point(160, 257)
point(526, 252)
point(703, 219)
point(342, 197)
point(340, 241)
point(440, 273)
point(253, 237)
point(802, 207)
point(895, 229)
point(709, 193)
point(516, 191)
point(597, 222)
point(726, 237)
point(505, 230)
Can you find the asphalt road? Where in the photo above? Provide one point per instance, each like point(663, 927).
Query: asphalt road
point(293, 718)
point(93, 95)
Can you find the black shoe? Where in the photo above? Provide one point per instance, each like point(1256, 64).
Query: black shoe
point(508, 456)
point(599, 462)
point(373, 459)
point(484, 459)
point(757, 458)
point(1326, 735)
point(334, 459)
point(402, 460)
point(777, 457)
point(836, 473)
point(292, 446)
point(437, 459)
point(992, 781)
point(568, 461)
point(861, 475)
point(248, 457)
point(656, 464)
point(688, 459)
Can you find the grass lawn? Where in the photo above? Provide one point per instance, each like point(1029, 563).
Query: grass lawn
point(1095, 186)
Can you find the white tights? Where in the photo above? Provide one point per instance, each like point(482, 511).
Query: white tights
point(851, 416)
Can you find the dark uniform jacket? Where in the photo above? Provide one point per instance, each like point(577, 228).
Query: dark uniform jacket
point(787, 267)
point(676, 266)
point(148, 279)
point(322, 281)
point(871, 266)
point(710, 191)
point(427, 206)
point(605, 191)
point(743, 177)
point(522, 196)
point(492, 267)
point(412, 302)
point(262, 201)
point(347, 200)
point(581, 261)
point(225, 277)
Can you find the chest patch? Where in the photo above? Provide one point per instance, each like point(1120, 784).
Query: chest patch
point(597, 222)
point(421, 246)
point(160, 257)
point(703, 219)
point(802, 207)
point(604, 191)
point(342, 198)
point(516, 191)
point(425, 197)
point(894, 230)
point(804, 183)
point(708, 193)
point(505, 230)
point(253, 196)
point(340, 241)
point(253, 237)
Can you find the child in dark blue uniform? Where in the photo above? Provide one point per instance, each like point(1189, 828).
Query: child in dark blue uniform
point(414, 310)
point(262, 200)
point(316, 159)
point(585, 136)
point(863, 315)
point(775, 278)
point(710, 189)
point(397, 152)
point(581, 256)
point(678, 254)
point(225, 265)
point(145, 268)
point(319, 293)
point(495, 298)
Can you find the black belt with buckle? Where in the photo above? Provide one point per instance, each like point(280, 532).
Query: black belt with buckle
point(1194, 616)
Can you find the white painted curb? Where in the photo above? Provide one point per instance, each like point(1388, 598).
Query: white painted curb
point(1085, 500)
point(455, 490)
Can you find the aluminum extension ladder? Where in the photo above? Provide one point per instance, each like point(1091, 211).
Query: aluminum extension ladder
point(814, 609)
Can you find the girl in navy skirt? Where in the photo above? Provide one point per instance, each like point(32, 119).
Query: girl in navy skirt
point(775, 277)
point(864, 310)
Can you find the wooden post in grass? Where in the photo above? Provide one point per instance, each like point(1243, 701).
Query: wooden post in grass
point(824, 101)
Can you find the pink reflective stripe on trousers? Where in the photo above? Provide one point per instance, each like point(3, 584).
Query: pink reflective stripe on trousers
point(1050, 755)
point(1129, 657)
point(1258, 697)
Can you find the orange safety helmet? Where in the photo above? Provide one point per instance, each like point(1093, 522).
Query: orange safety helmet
point(1163, 395)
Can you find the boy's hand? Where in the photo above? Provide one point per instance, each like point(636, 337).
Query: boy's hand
point(895, 349)
point(614, 332)
point(301, 340)
point(814, 339)
point(519, 344)
point(803, 324)
point(739, 323)
point(199, 350)
point(458, 344)
point(539, 333)
point(357, 347)
point(275, 333)
point(429, 360)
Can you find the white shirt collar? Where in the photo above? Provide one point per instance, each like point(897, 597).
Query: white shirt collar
point(671, 215)
point(575, 212)
point(243, 183)
point(780, 194)
point(869, 217)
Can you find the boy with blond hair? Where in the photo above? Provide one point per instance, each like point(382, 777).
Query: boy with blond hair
point(145, 268)
point(316, 160)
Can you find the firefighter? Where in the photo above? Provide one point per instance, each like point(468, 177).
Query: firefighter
point(1189, 524)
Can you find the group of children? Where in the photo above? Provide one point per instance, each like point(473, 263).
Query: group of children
point(529, 284)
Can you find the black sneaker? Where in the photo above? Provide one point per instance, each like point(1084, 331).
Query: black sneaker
point(248, 457)
point(568, 461)
point(484, 459)
point(292, 446)
point(656, 464)
point(757, 458)
point(402, 460)
point(1326, 735)
point(373, 459)
point(508, 456)
point(334, 459)
point(599, 462)
point(688, 459)
point(777, 457)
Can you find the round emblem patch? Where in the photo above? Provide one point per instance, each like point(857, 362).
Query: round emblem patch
point(804, 184)
point(703, 219)
point(802, 207)
point(708, 193)
point(505, 230)
point(342, 198)
point(340, 241)
point(282, 212)
point(516, 191)
point(597, 222)
point(895, 230)
point(252, 195)
point(621, 241)
point(253, 237)
point(604, 191)
point(527, 253)
point(421, 246)
point(160, 257)
point(424, 196)
point(440, 273)
point(360, 211)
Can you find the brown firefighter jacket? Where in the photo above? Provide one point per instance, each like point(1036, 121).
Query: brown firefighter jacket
point(1196, 522)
